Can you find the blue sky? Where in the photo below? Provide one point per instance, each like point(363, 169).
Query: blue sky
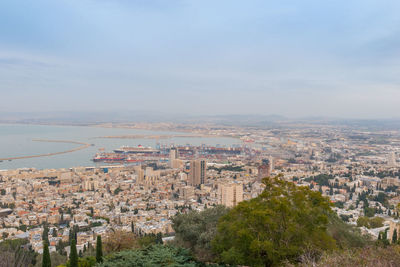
point(338, 58)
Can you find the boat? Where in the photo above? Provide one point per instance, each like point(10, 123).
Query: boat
point(108, 157)
point(137, 150)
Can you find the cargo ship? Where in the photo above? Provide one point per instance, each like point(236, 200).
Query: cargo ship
point(108, 157)
point(136, 150)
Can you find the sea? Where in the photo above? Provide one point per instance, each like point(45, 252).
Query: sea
point(19, 140)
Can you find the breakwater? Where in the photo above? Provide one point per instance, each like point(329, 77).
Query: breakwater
point(80, 147)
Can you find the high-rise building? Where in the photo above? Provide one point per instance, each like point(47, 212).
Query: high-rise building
point(174, 161)
point(151, 176)
point(197, 174)
point(271, 164)
point(140, 174)
point(392, 160)
point(230, 194)
point(264, 170)
point(173, 153)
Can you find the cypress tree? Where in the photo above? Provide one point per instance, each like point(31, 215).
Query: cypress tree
point(99, 250)
point(45, 234)
point(132, 227)
point(159, 238)
point(46, 261)
point(73, 255)
point(394, 237)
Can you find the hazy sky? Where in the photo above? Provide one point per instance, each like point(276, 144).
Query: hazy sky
point(296, 58)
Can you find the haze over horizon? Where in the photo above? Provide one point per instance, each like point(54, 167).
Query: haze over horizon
point(292, 58)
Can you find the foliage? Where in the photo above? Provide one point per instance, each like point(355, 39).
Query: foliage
point(282, 223)
point(95, 224)
point(46, 261)
point(345, 218)
point(366, 257)
point(394, 236)
point(155, 255)
point(99, 250)
point(339, 204)
point(73, 255)
point(119, 240)
point(87, 262)
point(195, 230)
point(369, 212)
point(382, 198)
point(321, 179)
point(374, 222)
point(147, 240)
point(55, 257)
point(346, 236)
point(117, 191)
point(82, 262)
point(45, 234)
point(16, 253)
point(227, 168)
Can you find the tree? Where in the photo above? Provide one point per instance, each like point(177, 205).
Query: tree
point(282, 223)
point(16, 253)
point(384, 236)
point(87, 262)
point(120, 240)
point(46, 261)
point(346, 235)
point(99, 249)
point(73, 255)
point(91, 211)
point(155, 255)
point(374, 222)
point(45, 234)
point(369, 212)
point(159, 238)
point(196, 230)
point(394, 236)
point(132, 227)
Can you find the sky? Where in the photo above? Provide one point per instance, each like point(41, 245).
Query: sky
point(333, 58)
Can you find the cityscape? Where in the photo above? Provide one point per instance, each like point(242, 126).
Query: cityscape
point(180, 133)
point(140, 189)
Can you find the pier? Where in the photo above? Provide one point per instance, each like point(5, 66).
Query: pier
point(82, 146)
point(142, 136)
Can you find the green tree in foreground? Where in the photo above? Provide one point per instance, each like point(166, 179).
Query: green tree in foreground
point(46, 261)
point(155, 255)
point(282, 223)
point(99, 250)
point(73, 255)
point(195, 230)
point(15, 253)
